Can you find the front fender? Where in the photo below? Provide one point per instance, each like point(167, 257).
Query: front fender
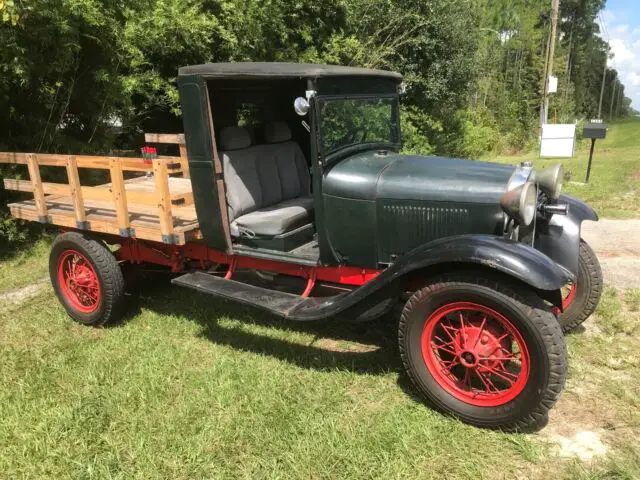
point(559, 238)
point(520, 261)
point(507, 256)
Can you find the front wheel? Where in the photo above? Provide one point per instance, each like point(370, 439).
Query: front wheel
point(489, 354)
point(581, 299)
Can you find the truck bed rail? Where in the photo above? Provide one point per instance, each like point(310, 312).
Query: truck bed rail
point(157, 206)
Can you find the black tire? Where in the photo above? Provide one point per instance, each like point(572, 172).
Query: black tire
point(102, 266)
point(588, 290)
point(530, 316)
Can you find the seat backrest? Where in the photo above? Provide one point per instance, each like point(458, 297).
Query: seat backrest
point(262, 175)
point(289, 161)
point(239, 160)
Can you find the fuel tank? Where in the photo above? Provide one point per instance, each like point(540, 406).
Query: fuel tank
point(379, 205)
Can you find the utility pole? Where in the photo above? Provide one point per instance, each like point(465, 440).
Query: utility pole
point(545, 81)
point(620, 100)
point(613, 98)
point(604, 80)
point(555, 7)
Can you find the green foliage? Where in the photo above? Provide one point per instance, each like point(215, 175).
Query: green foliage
point(417, 126)
point(85, 75)
point(478, 132)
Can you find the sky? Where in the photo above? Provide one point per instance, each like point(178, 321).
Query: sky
point(622, 21)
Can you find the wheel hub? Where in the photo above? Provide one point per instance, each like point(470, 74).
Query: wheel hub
point(468, 359)
point(478, 345)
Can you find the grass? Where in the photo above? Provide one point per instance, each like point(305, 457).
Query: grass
point(190, 387)
point(614, 186)
point(26, 267)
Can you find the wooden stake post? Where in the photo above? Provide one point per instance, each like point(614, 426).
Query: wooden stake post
point(120, 199)
point(36, 184)
point(164, 200)
point(76, 193)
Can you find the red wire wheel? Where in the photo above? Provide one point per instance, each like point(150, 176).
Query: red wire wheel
point(569, 294)
point(78, 281)
point(475, 354)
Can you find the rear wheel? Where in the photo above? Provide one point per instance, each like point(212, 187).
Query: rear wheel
point(581, 299)
point(87, 279)
point(491, 355)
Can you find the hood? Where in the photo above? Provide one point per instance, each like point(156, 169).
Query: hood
point(371, 176)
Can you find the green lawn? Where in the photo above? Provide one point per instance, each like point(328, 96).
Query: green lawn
point(25, 267)
point(191, 387)
point(614, 187)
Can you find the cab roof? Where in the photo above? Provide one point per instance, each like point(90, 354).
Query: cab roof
point(283, 70)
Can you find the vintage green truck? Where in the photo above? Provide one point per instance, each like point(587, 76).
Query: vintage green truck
point(294, 171)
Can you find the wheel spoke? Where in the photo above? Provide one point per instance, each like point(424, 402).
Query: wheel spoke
point(487, 383)
point(452, 342)
point(463, 339)
point(502, 374)
point(498, 359)
point(446, 330)
point(508, 353)
point(440, 347)
point(484, 321)
point(451, 363)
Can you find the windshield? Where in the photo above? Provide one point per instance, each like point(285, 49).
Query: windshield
point(349, 121)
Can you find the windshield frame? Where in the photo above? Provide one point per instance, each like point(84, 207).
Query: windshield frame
point(347, 150)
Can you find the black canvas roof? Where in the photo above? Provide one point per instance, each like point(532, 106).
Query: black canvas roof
point(283, 70)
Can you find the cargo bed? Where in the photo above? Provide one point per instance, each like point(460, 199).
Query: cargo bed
point(156, 204)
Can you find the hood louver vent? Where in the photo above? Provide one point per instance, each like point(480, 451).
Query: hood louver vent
point(406, 226)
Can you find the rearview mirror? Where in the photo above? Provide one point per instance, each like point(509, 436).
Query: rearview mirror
point(301, 106)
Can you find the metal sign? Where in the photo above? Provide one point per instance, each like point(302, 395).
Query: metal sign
point(558, 140)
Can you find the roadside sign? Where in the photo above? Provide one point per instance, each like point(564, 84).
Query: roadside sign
point(558, 140)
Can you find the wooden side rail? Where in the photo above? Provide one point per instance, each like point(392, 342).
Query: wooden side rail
point(91, 161)
point(94, 193)
point(175, 139)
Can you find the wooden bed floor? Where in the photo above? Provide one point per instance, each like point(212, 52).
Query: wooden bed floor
point(101, 215)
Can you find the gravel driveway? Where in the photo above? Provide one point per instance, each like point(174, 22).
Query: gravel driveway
point(617, 244)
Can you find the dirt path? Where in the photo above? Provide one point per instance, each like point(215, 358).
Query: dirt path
point(15, 296)
point(617, 244)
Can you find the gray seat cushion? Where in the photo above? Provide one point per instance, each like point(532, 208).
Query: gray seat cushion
point(276, 219)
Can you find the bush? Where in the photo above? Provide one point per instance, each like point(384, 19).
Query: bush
point(417, 127)
point(475, 133)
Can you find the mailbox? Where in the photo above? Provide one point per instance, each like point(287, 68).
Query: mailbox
point(594, 130)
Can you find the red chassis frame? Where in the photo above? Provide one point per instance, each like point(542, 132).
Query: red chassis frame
point(198, 255)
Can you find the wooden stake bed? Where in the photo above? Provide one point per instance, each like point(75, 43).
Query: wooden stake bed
point(154, 206)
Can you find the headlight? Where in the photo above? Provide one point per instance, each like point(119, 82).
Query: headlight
point(550, 180)
point(520, 203)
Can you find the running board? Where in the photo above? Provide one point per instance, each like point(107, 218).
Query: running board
point(280, 303)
